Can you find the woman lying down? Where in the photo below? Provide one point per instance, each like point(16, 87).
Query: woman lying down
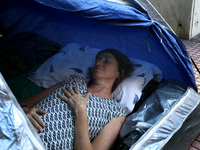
point(74, 115)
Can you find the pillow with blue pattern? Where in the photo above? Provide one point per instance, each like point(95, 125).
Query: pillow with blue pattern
point(75, 59)
point(129, 91)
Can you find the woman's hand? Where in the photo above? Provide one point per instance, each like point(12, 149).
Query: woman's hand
point(74, 98)
point(79, 104)
point(33, 115)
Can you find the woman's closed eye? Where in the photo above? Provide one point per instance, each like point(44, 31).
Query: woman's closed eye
point(106, 60)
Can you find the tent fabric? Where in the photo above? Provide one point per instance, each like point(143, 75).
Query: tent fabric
point(126, 16)
point(102, 24)
point(105, 11)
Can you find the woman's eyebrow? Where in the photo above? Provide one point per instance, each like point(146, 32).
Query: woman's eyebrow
point(105, 57)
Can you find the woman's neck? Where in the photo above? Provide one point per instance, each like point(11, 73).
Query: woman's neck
point(100, 89)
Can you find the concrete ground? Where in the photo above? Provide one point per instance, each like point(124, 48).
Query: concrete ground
point(193, 48)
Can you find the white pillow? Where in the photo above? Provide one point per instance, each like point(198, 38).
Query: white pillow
point(129, 91)
point(75, 59)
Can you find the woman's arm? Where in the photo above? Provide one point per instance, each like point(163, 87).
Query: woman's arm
point(103, 141)
point(33, 113)
point(81, 135)
point(32, 101)
point(107, 136)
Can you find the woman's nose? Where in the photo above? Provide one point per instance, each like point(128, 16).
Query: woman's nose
point(99, 63)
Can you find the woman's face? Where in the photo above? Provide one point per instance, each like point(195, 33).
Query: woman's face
point(106, 67)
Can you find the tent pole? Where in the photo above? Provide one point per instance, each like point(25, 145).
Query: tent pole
point(195, 65)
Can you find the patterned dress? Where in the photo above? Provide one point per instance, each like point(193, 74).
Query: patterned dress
point(58, 133)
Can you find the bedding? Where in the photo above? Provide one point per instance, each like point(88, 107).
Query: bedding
point(76, 59)
point(151, 111)
point(22, 87)
point(173, 125)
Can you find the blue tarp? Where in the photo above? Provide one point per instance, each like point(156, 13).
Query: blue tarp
point(102, 24)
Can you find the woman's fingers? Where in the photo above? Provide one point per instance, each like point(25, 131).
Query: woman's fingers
point(76, 90)
point(70, 90)
point(87, 96)
point(74, 99)
point(38, 119)
point(69, 93)
point(63, 97)
point(66, 93)
point(35, 119)
point(37, 126)
point(41, 112)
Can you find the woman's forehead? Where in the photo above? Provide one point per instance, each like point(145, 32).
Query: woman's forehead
point(105, 55)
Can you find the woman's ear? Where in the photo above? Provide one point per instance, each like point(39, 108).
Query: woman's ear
point(122, 74)
point(118, 75)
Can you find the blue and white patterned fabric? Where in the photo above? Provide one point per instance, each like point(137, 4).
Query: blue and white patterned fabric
point(129, 91)
point(59, 130)
point(75, 59)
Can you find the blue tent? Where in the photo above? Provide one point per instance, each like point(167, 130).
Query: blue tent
point(131, 26)
point(104, 24)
